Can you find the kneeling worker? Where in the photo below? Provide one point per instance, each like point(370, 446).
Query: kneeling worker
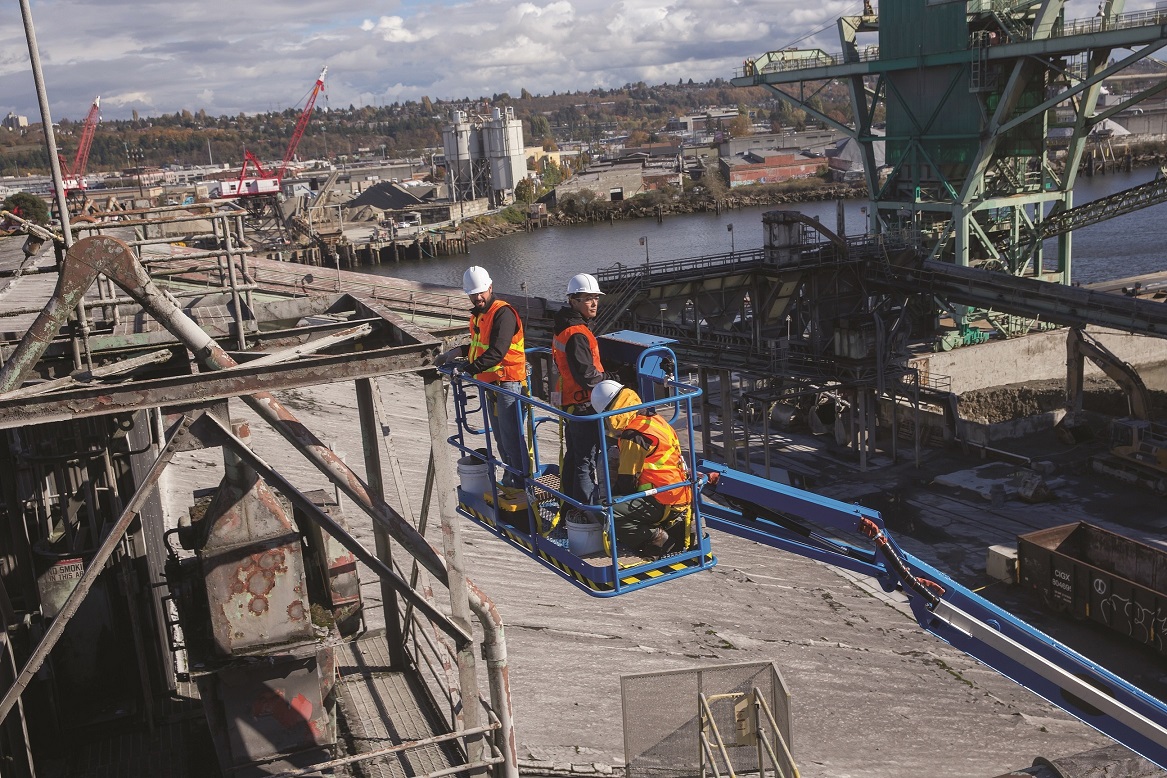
point(650, 457)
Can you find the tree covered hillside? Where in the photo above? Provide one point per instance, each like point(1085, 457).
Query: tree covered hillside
point(637, 111)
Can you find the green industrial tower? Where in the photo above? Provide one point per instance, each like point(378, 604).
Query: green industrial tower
point(985, 108)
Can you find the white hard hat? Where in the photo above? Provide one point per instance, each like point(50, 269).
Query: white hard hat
point(583, 284)
point(603, 393)
point(475, 280)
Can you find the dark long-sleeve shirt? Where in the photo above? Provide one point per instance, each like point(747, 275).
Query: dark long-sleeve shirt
point(506, 324)
point(579, 352)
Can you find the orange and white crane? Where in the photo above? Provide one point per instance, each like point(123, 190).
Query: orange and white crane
point(263, 182)
point(74, 176)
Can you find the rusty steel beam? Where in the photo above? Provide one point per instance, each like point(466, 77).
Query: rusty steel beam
point(70, 290)
point(202, 387)
point(372, 307)
point(373, 445)
point(311, 347)
point(180, 440)
point(85, 377)
point(104, 254)
point(210, 431)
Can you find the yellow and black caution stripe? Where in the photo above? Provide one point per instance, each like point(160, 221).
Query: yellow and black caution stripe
point(518, 538)
point(665, 569)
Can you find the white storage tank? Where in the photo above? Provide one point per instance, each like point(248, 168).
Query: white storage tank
point(459, 142)
point(502, 140)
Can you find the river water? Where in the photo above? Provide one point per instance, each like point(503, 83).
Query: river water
point(540, 262)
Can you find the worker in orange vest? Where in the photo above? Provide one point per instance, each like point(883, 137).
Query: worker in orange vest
point(496, 355)
point(577, 358)
point(650, 459)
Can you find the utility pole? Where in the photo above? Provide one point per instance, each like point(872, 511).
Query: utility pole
point(134, 159)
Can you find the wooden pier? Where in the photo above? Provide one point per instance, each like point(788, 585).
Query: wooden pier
point(376, 251)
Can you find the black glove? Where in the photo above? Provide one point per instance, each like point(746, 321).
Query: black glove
point(447, 356)
point(626, 374)
point(459, 366)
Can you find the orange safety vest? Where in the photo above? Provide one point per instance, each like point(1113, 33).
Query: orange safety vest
point(570, 392)
point(513, 366)
point(664, 465)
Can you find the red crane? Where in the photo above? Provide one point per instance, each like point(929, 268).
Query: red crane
point(264, 182)
point(74, 177)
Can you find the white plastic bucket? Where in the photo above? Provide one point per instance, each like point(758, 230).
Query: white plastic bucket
point(584, 537)
point(474, 475)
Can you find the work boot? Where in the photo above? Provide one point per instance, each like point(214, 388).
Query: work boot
point(661, 545)
point(678, 535)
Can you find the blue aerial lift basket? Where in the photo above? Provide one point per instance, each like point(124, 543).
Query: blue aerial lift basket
point(530, 521)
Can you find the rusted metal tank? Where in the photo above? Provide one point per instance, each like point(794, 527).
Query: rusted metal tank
point(278, 709)
point(332, 569)
point(1092, 573)
point(261, 620)
point(253, 566)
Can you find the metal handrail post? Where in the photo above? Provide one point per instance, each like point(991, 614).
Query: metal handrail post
point(707, 716)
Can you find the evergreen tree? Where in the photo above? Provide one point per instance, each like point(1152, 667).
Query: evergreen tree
point(27, 206)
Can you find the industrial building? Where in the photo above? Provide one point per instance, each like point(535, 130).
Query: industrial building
point(626, 176)
point(769, 167)
point(13, 122)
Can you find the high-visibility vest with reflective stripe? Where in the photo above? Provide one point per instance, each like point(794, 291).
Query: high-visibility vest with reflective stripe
point(664, 465)
point(513, 366)
point(570, 392)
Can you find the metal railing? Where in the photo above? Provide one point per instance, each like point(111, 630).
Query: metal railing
point(858, 247)
point(803, 59)
point(1124, 21)
point(621, 294)
point(619, 272)
point(476, 438)
point(750, 730)
point(435, 663)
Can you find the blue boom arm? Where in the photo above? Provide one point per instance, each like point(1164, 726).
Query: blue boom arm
point(793, 520)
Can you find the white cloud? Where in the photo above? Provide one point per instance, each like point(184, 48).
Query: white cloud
point(228, 56)
point(126, 98)
point(390, 29)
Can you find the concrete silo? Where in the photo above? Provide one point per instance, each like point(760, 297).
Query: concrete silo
point(462, 143)
point(502, 142)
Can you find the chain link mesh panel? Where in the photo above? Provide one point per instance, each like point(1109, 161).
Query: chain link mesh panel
point(662, 718)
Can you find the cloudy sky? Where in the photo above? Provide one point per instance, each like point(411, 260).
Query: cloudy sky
point(227, 56)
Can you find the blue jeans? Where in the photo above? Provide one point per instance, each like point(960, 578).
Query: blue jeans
point(507, 422)
point(581, 454)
